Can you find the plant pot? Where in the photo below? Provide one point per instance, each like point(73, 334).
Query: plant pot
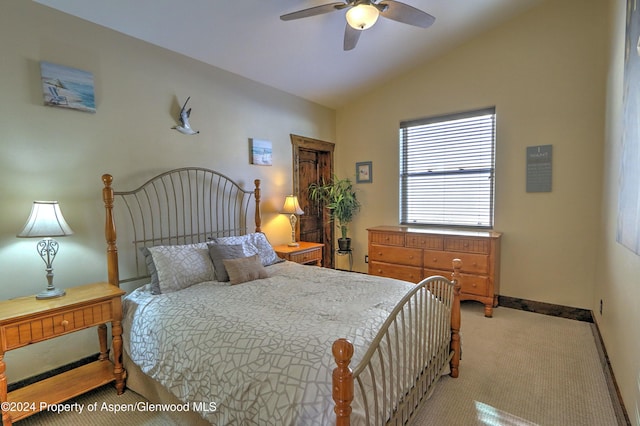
point(344, 244)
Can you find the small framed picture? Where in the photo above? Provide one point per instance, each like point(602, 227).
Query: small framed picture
point(66, 87)
point(364, 172)
point(261, 152)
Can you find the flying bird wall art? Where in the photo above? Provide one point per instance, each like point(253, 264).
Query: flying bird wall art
point(184, 127)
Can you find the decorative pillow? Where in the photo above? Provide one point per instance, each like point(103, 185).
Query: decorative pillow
point(245, 269)
point(267, 255)
point(178, 267)
point(218, 252)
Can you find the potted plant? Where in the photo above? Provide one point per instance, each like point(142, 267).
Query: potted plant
point(339, 198)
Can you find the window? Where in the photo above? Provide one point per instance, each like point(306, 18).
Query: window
point(447, 168)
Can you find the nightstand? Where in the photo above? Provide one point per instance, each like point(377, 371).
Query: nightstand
point(306, 253)
point(26, 320)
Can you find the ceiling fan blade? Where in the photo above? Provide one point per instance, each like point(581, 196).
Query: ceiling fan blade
point(313, 11)
point(351, 37)
point(406, 14)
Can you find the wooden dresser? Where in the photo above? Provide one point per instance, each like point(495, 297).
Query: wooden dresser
point(412, 254)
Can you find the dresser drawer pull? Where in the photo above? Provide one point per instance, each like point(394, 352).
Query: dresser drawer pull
point(435, 260)
point(64, 323)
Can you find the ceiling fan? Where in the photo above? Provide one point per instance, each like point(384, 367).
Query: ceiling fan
point(362, 14)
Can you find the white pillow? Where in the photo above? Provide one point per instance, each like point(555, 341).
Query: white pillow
point(267, 255)
point(179, 267)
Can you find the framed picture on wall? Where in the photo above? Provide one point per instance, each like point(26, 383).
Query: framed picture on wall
point(261, 152)
point(66, 87)
point(364, 172)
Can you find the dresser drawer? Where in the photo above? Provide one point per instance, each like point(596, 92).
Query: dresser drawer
point(473, 284)
point(406, 273)
point(48, 326)
point(399, 255)
point(472, 263)
point(387, 238)
point(467, 245)
point(429, 242)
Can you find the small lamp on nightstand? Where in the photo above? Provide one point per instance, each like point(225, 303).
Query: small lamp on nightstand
point(291, 207)
point(46, 221)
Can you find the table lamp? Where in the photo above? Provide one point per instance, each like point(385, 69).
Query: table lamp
point(291, 207)
point(46, 221)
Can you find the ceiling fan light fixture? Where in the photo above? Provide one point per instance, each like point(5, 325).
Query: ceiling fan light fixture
point(362, 16)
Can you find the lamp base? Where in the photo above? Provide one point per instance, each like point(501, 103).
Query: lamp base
point(50, 293)
point(293, 244)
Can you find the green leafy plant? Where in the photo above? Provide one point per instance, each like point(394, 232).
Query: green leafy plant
point(340, 198)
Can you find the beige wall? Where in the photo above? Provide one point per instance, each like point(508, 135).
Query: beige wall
point(51, 153)
point(555, 77)
point(617, 283)
point(545, 72)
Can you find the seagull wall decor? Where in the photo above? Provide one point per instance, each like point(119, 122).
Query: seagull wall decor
point(184, 127)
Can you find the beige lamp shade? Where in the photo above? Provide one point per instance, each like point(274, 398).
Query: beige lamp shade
point(45, 220)
point(291, 206)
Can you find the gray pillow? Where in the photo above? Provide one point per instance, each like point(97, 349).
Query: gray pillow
point(181, 266)
point(258, 240)
point(219, 252)
point(151, 268)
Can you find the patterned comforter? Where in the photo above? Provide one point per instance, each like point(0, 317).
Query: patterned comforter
point(260, 351)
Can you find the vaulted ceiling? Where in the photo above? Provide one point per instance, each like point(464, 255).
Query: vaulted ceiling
point(304, 57)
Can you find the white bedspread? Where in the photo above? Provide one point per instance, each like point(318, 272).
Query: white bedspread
point(261, 351)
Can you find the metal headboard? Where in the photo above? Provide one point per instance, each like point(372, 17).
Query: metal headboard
point(181, 206)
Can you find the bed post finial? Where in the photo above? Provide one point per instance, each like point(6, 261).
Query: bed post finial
point(342, 381)
point(258, 218)
point(110, 231)
point(455, 318)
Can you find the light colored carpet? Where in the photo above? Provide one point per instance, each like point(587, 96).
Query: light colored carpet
point(522, 368)
point(518, 368)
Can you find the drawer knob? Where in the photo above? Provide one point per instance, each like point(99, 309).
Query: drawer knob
point(64, 323)
point(474, 285)
point(435, 260)
point(379, 271)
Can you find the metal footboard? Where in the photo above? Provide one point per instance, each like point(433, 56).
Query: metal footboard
point(415, 345)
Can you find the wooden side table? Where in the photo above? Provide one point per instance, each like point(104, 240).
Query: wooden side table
point(306, 253)
point(26, 320)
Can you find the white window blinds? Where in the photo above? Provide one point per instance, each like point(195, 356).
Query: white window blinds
point(447, 168)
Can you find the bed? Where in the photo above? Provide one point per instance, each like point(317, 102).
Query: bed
point(279, 343)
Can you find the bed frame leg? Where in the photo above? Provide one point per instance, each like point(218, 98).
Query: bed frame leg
point(455, 319)
point(342, 381)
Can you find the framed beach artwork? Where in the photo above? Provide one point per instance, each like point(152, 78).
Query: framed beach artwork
point(66, 87)
point(261, 152)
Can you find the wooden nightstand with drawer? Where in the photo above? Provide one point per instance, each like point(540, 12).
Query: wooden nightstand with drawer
point(306, 253)
point(412, 254)
point(26, 320)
